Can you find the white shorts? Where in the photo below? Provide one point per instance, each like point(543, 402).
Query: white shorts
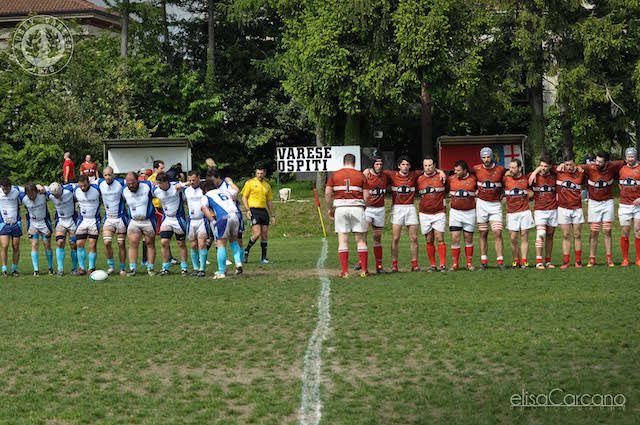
point(518, 221)
point(66, 224)
point(628, 213)
point(196, 229)
point(375, 216)
point(39, 228)
point(350, 219)
point(546, 217)
point(429, 222)
point(567, 216)
point(88, 227)
point(463, 218)
point(488, 211)
point(114, 225)
point(600, 211)
point(228, 227)
point(404, 215)
point(173, 224)
point(144, 227)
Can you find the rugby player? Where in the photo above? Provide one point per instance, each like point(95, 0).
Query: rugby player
point(543, 183)
point(196, 227)
point(570, 214)
point(346, 195)
point(138, 195)
point(629, 208)
point(38, 224)
point(116, 219)
point(519, 218)
point(432, 216)
point(88, 197)
point(64, 223)
point(462, 214)
point(10, 224)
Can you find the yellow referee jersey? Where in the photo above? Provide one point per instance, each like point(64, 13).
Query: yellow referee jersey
point(156, 202)
point(257, 193)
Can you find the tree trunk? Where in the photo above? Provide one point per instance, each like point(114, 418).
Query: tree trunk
point(426, 119)
point(165, 31)
point(211, 49)
point(638, 131)
point(565, 126)
point(352, 130)
point(124, 34)
point(536, 145)
point(320, 177)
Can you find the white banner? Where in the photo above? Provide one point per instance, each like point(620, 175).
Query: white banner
point(305, 159)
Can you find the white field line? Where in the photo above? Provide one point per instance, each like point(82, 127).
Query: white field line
point(311, 404)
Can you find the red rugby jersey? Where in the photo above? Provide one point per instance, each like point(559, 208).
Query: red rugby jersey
point(431, 190)
point(463, 192)
point(569, 189)
point(348, 185)
point(600, 183)
point(489, 182)
point(377, 188)
point(629, 180)
point(516, 191)
point(403, 188)
point(544, 192)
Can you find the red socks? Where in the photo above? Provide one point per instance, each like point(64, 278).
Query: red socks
point(468, 250)
point(431, 253)
point(363, 256)
point(377, 253)
point(547, 259)
point(578, 256)
point(624, 246)
point(566, 258)
point(442, 253)
point(414, 263)
point(637, 243)
point(455, 253)
point(344, 259)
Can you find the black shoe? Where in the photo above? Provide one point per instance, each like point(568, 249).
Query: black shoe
point(484, 267)
point(36, 273)
point(238, 270)
point(164, 272)
point(131, 273)
point(431, 269)
point(500, 266)
point(5, 274)
point(357, 267)
point(194, 273)
point(246, 257)
point(443, 269)
point(51, 272)
point(15, 274)
point(201, 273)
point(184, 272)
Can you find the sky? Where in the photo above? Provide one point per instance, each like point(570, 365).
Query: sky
point(172, 10)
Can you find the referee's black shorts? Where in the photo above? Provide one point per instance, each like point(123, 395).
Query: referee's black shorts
point(259, 216)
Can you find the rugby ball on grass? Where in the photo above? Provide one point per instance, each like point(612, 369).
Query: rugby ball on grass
point(98, 276)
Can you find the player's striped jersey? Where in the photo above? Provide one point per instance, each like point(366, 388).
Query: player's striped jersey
point(378, 184)
point(431, 190)
point(139, 202)
point(172, 200)
point(220, 202)
point(36, 209)
point(403, 186)
point(88, 202)
point(65, 205)
point(112, 197)
point(348, 185)
point(629, 180)
point(194, 202)
point(489, 182)
point(10, 205)
point(544, 192)
point(569, 189)
point(516, 191)
point(600, 182)
point(463, 192)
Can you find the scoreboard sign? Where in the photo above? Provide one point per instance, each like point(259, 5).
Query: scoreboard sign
point(306, 159)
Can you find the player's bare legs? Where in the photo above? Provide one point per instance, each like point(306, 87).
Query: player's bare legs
point(377, 247)
point(515, 248)
point(4, 252)
point(484, 241)
point(524, 247)
point(593, 243)
point(606, 230)
point(396, 232)
point(496, 229)
point(134, 241)
point(150, 242)
point(16, 249)
point(549, 246)
point(413, 238)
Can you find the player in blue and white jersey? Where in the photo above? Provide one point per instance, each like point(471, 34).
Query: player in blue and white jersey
point(88, 197)
point(174, 221)
point(116, 218)
point(38, 224)
point(10, 224)
point(64, 222)
point(219, 205)
point(196, 226)
point(138, 195)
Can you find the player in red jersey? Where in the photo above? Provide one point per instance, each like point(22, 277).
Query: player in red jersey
point(462, 214)
point(377, 181)
point(600, 179)
point(543, 183)
point(519, 219)
point(346, 195)
point(629, 208)
point(432, 216)
point(489, 206)
point(570, 214)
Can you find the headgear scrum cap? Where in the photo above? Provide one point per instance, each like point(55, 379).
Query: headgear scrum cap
point(486, 151)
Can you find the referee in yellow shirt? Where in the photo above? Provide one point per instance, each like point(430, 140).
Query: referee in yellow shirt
point(258, 203)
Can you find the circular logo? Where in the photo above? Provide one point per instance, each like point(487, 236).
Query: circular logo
point(42, 45)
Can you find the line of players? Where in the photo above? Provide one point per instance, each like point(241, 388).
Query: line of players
point(214, 214)
point(356, 203)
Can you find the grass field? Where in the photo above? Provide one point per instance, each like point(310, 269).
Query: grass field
point(407, 348)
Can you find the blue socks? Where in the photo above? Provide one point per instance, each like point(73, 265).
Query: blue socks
point(4, 269)
point(92, 260)
point(82, 255)
point(203, 259)
point(133, 266)
point(237, 252)
point(184, 265)
point(165, 266)
point(74, 259)
point(122, 266)
point(60, 258)
point(111, 263)
point(49, 255)
point(195, 259)
point(222, 259)
point(14, 268)
point(35, 255)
